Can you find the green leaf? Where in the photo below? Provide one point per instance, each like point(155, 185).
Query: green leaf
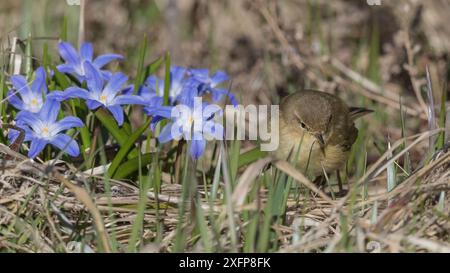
point(61, 79)
point(153, 67)
point(3, 90)
point(167, 80)
point(86, 140)
point(234, 159)
point(28, 58)
point(140, 69)
point(442, 117)
point(46, 59)
point(119, 134)
point(136, 231)
point(132, 166)
point(251, 156)
point(63, 34)
point(126, 147)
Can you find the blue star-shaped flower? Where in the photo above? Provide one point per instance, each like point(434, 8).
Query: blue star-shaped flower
point(31, 98)
point(75, 61)
point(192, 123)
point(101, 93)
point(209, 84)
point(41, 128)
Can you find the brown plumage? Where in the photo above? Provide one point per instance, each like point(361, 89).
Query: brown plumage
point(320, 127)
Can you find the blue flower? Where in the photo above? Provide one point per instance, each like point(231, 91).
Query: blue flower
point(208, 84)
point(42, 128)
point(31, 99)
point(75, 62)
point(192, 123)
point(177, 81)
point(103, 93)
point(181, 86)
point(152, 93)
point(150, 98)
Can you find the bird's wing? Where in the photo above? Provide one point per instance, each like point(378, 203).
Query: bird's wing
point(357, 112)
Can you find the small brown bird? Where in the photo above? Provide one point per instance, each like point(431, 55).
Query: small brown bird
point(320, 128)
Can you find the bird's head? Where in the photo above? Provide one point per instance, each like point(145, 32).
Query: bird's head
point(311, 113)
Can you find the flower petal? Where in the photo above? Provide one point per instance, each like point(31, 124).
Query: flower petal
point(93, 78)
point(219, 77)
point(177, 73)
point(233, 99)
point(210, 110)
point(213, 130)
point(72, 92)
point(128, 90)
point(190, 91)
point(154, 122)
point(37, 145)
point(68, 53)
point(115, 83)
point(39, 86)
point(13, 134)
point(56, 95)
point(151, 82)
point(86, 51)
point(117, 112)
point(93, 104)
point(14, 100)
point(67, 144)
point(166, 133)
point(106, 74)
point(68, 123)
point(128, 99)
point(156, 101)
point(218, 94)
point(20, 84)
point(200, 74)
point(162, 111)
point(198, 145)
point(28, 118)
point(49, 111)
point(66, 68)
point(102, 60)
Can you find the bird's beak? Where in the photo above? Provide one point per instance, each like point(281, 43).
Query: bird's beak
point(319, 138)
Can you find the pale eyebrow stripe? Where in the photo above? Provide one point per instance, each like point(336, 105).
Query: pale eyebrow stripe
point(297, 115)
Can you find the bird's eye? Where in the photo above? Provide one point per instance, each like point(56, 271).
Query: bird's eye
point(303, 125)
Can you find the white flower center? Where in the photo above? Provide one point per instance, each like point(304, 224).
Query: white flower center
point(103, 99)
point(46, 131)
point(34, 105)
point(80, 70)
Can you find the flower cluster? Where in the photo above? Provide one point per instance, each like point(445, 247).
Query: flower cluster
point(37, 117)
point(189, 118)
point(39, 107)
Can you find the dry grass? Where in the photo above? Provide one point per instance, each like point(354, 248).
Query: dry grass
point(45, 212)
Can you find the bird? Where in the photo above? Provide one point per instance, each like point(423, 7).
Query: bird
point(317, 131)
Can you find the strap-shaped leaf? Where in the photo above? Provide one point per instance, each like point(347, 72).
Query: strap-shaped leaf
point(126, 147)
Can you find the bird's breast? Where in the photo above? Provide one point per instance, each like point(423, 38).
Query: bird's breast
point(309, 157)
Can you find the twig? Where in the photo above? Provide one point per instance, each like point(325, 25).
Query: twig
point(415, 84)
point(284, 166)
point(430, 111)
